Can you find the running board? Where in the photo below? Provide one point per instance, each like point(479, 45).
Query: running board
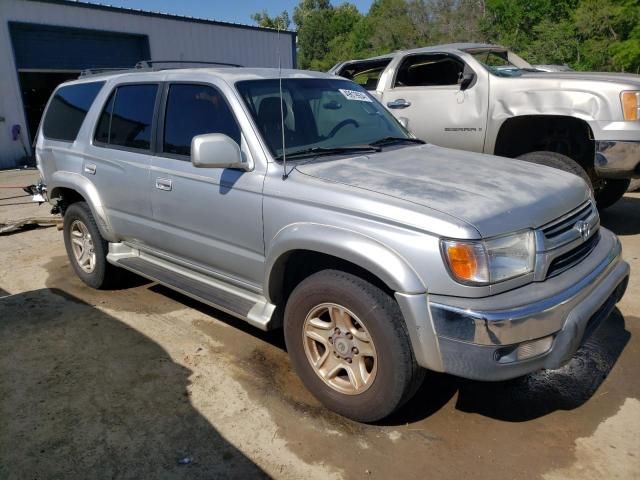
point(249, 306)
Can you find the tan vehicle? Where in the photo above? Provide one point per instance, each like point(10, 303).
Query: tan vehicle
point(484, 98)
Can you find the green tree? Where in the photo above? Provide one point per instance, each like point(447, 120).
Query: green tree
point(586, 34)
point(278, 22)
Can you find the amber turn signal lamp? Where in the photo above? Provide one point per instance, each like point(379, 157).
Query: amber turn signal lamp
point(462, 260)
point(631, 105)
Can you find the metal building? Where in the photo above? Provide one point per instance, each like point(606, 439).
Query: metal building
point(45, 42)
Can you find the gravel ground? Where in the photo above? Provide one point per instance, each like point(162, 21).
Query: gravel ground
point(142, 382)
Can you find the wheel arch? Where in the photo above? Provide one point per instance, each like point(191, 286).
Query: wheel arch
point(564, 134)
point(71, 187)
point(308, 245)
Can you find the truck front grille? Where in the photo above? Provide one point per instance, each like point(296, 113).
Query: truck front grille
point(572, 257)
point(567, 222)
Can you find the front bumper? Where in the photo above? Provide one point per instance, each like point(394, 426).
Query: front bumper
point(478, 338)
point(617, 159)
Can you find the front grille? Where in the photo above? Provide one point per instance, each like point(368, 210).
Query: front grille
point(573, 256)
point(567, 222)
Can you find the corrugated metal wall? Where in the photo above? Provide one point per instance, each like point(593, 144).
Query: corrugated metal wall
point(169, 38)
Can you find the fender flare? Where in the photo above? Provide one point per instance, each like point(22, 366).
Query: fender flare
point(88, 191)
point(366, 252)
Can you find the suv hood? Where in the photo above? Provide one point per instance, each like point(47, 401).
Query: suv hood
point(495, 195)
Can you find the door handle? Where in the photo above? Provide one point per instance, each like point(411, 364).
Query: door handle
point(399, 103)
point(163, 184)
point(90, 168)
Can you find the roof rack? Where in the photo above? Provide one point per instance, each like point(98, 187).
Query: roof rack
point(149, 65)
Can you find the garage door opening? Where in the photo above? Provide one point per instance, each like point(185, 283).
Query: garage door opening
point(37, 87)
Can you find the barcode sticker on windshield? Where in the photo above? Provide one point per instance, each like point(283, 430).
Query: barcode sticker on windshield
point(354, 95)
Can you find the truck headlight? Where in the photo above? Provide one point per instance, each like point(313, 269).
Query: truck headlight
point(481, 262)
point(630, 105)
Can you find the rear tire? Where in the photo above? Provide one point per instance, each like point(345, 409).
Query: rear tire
point(356, 327)
point(610, 191)
point(559, 161)
point(86, 249)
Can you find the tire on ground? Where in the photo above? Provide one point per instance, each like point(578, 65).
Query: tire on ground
point(611, 191)
point(397, 376)
point(104, 274)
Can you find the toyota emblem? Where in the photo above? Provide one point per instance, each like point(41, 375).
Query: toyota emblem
point(583, 228)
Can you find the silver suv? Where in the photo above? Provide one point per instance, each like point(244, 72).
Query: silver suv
point(296, 200)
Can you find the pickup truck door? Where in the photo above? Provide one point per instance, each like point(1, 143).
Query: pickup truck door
point(210, 218)
point(429, 94)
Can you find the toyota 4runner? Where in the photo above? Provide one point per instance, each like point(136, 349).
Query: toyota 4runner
point(294, 199)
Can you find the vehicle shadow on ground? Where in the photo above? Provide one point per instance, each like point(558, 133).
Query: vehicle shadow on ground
point(273, 337)
point(529, 397)
point(83, 395)
point(623, 218)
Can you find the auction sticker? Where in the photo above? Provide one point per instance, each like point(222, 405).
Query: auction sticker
point(355, 95)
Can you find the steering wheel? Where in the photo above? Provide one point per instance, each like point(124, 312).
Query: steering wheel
point(343, 123)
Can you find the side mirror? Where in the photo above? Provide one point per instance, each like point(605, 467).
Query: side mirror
point(467, 80)
point(216, 150)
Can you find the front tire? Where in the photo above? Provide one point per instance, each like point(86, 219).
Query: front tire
point(86, 249)
point(559, 161)
point(609, 191)
point(348, 343)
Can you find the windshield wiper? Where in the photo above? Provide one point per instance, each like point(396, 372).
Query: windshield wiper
point(392, 140)
point(316, 151)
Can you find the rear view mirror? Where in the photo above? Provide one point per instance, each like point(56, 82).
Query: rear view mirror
point(467, 80)
point(215, 150)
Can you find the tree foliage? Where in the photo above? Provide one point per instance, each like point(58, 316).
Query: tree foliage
point(585, 34)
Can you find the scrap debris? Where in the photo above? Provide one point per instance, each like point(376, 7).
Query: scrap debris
point(15, 225)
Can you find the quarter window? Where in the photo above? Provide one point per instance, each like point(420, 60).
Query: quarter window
point(195, 110)
point(127, 117)
point(68, 109)
point(366, 73)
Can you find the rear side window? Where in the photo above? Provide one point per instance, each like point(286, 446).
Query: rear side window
point(195, 110)
point(67, 110)
point(127, 117)
point(365, 73)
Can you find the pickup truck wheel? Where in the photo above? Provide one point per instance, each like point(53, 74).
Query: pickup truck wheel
point(86, 249)
point(609, 191)
point(559, 161)
point(348, 343)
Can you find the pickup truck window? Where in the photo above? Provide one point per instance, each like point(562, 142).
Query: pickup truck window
point(67, 110)
point(366, 73)
point(127, 117)
point(318, 113)
point(192, 110)
point(429, 70)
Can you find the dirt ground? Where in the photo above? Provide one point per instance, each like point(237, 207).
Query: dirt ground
point(142, 382)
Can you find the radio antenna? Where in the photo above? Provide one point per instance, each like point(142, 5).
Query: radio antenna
point(284, 149)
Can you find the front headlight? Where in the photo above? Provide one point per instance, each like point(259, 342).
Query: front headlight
point(630, 105)
point(481, 262)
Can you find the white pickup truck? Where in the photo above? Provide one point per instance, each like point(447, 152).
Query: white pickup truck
point(484, 98)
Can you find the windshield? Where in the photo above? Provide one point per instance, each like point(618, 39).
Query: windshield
point(502, 63)
point(319, 115)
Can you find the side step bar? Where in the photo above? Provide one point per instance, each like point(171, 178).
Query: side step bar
point(246, 305)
